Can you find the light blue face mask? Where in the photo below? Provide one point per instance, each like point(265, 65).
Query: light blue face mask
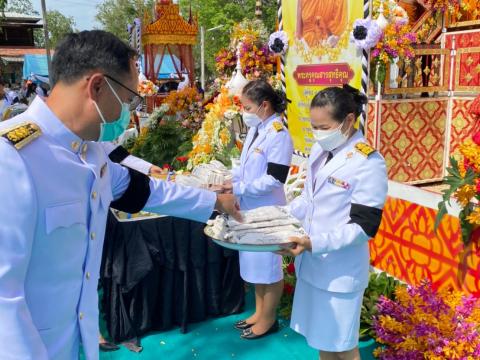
point(110, 131)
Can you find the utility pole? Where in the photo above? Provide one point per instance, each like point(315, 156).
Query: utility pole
point(47, 41)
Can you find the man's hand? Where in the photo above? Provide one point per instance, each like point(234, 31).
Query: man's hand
point(227, 203)
point(227, 187)
point(156, 171)
point(299, 246)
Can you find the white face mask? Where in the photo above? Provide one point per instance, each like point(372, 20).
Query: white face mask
point(251, 119)
point(330, 139)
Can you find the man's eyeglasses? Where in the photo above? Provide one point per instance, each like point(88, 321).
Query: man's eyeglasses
point(135, 101)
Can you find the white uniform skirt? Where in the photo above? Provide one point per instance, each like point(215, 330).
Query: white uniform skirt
point(329, 321)
point(261, 267)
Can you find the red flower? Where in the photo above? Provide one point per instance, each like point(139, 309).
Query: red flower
point(291, 268)
point(288, 289)
point(476, 138)
point(478, 187)
point(166, 167)
point(182, 159)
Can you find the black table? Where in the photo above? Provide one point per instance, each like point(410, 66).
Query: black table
point(162, 272)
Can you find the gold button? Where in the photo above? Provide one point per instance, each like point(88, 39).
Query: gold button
point(87, 275)
point(94, 195)
point(80, 316)
point(92, 236)
point(75, 145)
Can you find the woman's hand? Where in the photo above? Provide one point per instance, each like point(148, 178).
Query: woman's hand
point(299, 246)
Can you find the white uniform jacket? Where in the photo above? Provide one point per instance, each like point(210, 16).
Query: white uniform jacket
point(341, 208)
point(264, 165)
point(55, 191)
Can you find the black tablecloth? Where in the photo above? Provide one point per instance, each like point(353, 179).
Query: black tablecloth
point(163, 272)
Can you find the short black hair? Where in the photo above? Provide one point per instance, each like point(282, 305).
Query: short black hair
point(259, 91)
point(345, 100)
point(79, 53)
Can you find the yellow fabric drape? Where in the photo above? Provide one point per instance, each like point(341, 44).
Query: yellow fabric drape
point(322, 18)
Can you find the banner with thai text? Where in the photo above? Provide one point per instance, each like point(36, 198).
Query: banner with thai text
point(320, 55)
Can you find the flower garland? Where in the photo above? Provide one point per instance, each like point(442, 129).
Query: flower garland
point(426, 324)
point(329, 50)
point(214, 137)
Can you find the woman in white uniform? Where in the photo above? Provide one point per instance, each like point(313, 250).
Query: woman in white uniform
point(259, 181)
point(341, 209)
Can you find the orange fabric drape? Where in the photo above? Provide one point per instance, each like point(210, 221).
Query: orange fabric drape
point(322, 18)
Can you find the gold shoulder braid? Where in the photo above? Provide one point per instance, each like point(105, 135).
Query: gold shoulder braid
point(22, 134)
point(278, 126)
point(364, 149)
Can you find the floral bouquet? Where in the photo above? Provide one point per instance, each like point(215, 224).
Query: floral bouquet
point(214, 139)
point(180, 101)
point(396, 41)
point(463, 182)
point(147, 88)
point(426, 324)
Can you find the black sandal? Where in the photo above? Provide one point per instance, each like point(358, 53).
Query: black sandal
point(242, 325)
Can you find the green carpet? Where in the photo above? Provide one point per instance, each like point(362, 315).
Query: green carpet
point(216, 339)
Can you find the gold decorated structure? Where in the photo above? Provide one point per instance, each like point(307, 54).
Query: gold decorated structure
point(169, 34)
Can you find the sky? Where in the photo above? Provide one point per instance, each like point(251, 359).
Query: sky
point(83, 11)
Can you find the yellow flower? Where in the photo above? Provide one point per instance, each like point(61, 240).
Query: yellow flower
point(465, 194)
point(474, 217)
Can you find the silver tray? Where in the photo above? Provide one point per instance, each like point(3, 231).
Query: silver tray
point(246, 247)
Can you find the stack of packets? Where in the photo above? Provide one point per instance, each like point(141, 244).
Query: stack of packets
point(206, 176)
point(266, 225)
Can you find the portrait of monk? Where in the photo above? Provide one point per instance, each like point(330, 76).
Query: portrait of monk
point(317, 20)
point(413, 8)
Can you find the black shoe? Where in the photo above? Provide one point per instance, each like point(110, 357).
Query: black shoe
point(242, 325)
point(107, 347)
point(249, 335)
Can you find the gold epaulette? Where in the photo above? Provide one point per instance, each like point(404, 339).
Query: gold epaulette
point(364, 149)
point(22, 134)
point(278, 126)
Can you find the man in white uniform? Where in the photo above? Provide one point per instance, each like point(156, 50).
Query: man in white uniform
point(57, 186)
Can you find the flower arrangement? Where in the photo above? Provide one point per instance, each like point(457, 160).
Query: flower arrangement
point(256, 58)
point(249, 31)
point(396, 41)
point(225, 61)
point(147, 88)
point(256, 61)
point(463, 182)
point(426, 324)
point(179, 101)
point(278, 42)
point(214, 139)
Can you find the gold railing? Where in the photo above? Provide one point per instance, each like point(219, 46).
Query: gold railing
point(426, 72)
